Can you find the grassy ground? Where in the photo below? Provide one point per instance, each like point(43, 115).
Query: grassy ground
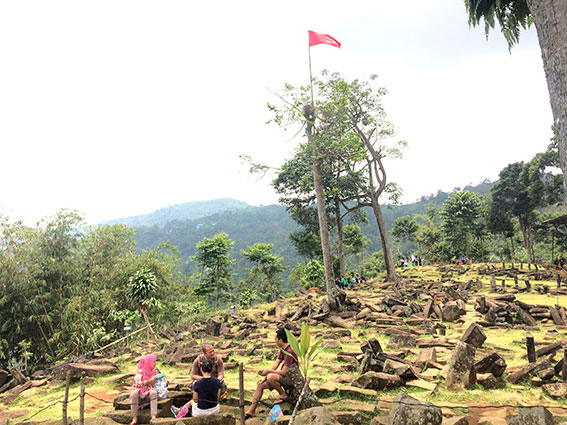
point(507, 341)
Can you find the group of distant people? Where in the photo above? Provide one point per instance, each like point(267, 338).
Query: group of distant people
point(344, 283)
point(208, 384)
point(462, 260)
point(410, 261)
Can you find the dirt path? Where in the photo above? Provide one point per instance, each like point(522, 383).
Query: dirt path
point(93, 405)
point(5, 415)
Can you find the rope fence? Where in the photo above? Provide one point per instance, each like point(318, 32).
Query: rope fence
point(65, 401)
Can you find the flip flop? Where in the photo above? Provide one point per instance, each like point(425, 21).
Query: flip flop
point(248, 416)
point(281, 400)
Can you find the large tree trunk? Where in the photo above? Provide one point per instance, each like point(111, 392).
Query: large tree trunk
point(340, 239)
point(550, 17)
point(388, 259)
point(322, 215)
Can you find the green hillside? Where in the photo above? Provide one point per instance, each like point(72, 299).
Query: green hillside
point(190, 222)
point(185, 211)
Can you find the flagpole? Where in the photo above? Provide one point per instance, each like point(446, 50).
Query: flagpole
point(310, 74)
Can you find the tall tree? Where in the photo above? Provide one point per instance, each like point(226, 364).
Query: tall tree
point(355, 241)
point(358, 110)
point(461, 219)
point(306, 243)
point(141, 288)
point(405, 229)
point(524, 187)
point(212, 257)
point(267, 268)
point(550, 18)
point(300, 109)
point(294, 184)
point(499, 222)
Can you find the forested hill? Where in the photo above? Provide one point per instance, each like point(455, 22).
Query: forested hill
point(185, 211)
point(246, 225)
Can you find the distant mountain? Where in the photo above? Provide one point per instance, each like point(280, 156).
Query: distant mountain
point(186, 224)
point(267, 224)
point(186, 211)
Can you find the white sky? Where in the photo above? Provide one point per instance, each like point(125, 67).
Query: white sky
point(117, 108)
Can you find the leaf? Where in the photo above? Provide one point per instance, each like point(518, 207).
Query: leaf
point(317, 353)
point(305, 339)
point(315, 346)
point(292, 340)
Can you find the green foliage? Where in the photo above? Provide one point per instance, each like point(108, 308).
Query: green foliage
point(306, 243)
point(305, 350)
point(511, 15)
point(296, 275)
point(405, 228)
point(373, 265)
point(314, 275)
point(63, 286)
point(354, 240)
point(267, 269)
point(461, 219)
point(248, 296)
point(141, 287)
point(212, 258)
point(522, 189)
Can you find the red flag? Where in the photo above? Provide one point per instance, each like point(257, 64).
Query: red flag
point(318, 38)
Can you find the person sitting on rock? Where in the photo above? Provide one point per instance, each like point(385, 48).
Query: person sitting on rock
point(206, 394)
point(273, 375)
point(208, 355)
point(144, 387)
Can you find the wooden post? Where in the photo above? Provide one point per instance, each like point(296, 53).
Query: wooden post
point(528, 285)
point(558, 279)
point(66, 398)
point(504, 283)
point(564, 371)
point(503, 265)
point(530, 345)
point(82, 404)
point(241, 391)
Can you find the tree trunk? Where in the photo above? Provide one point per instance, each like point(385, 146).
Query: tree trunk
point(340, 239)
point(149, 329)
point(524, 227)
point(550, 18)
point(507, 249)
point(322, 214)
point(390, 269)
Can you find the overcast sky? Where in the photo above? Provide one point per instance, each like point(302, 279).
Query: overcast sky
point(117, 108)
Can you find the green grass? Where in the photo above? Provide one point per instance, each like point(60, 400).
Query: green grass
point(512, 339)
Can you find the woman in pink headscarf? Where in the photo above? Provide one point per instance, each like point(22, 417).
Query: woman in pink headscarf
point(144, 387)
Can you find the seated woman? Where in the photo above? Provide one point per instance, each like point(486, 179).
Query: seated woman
point(144, 387)
point(206, 393)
